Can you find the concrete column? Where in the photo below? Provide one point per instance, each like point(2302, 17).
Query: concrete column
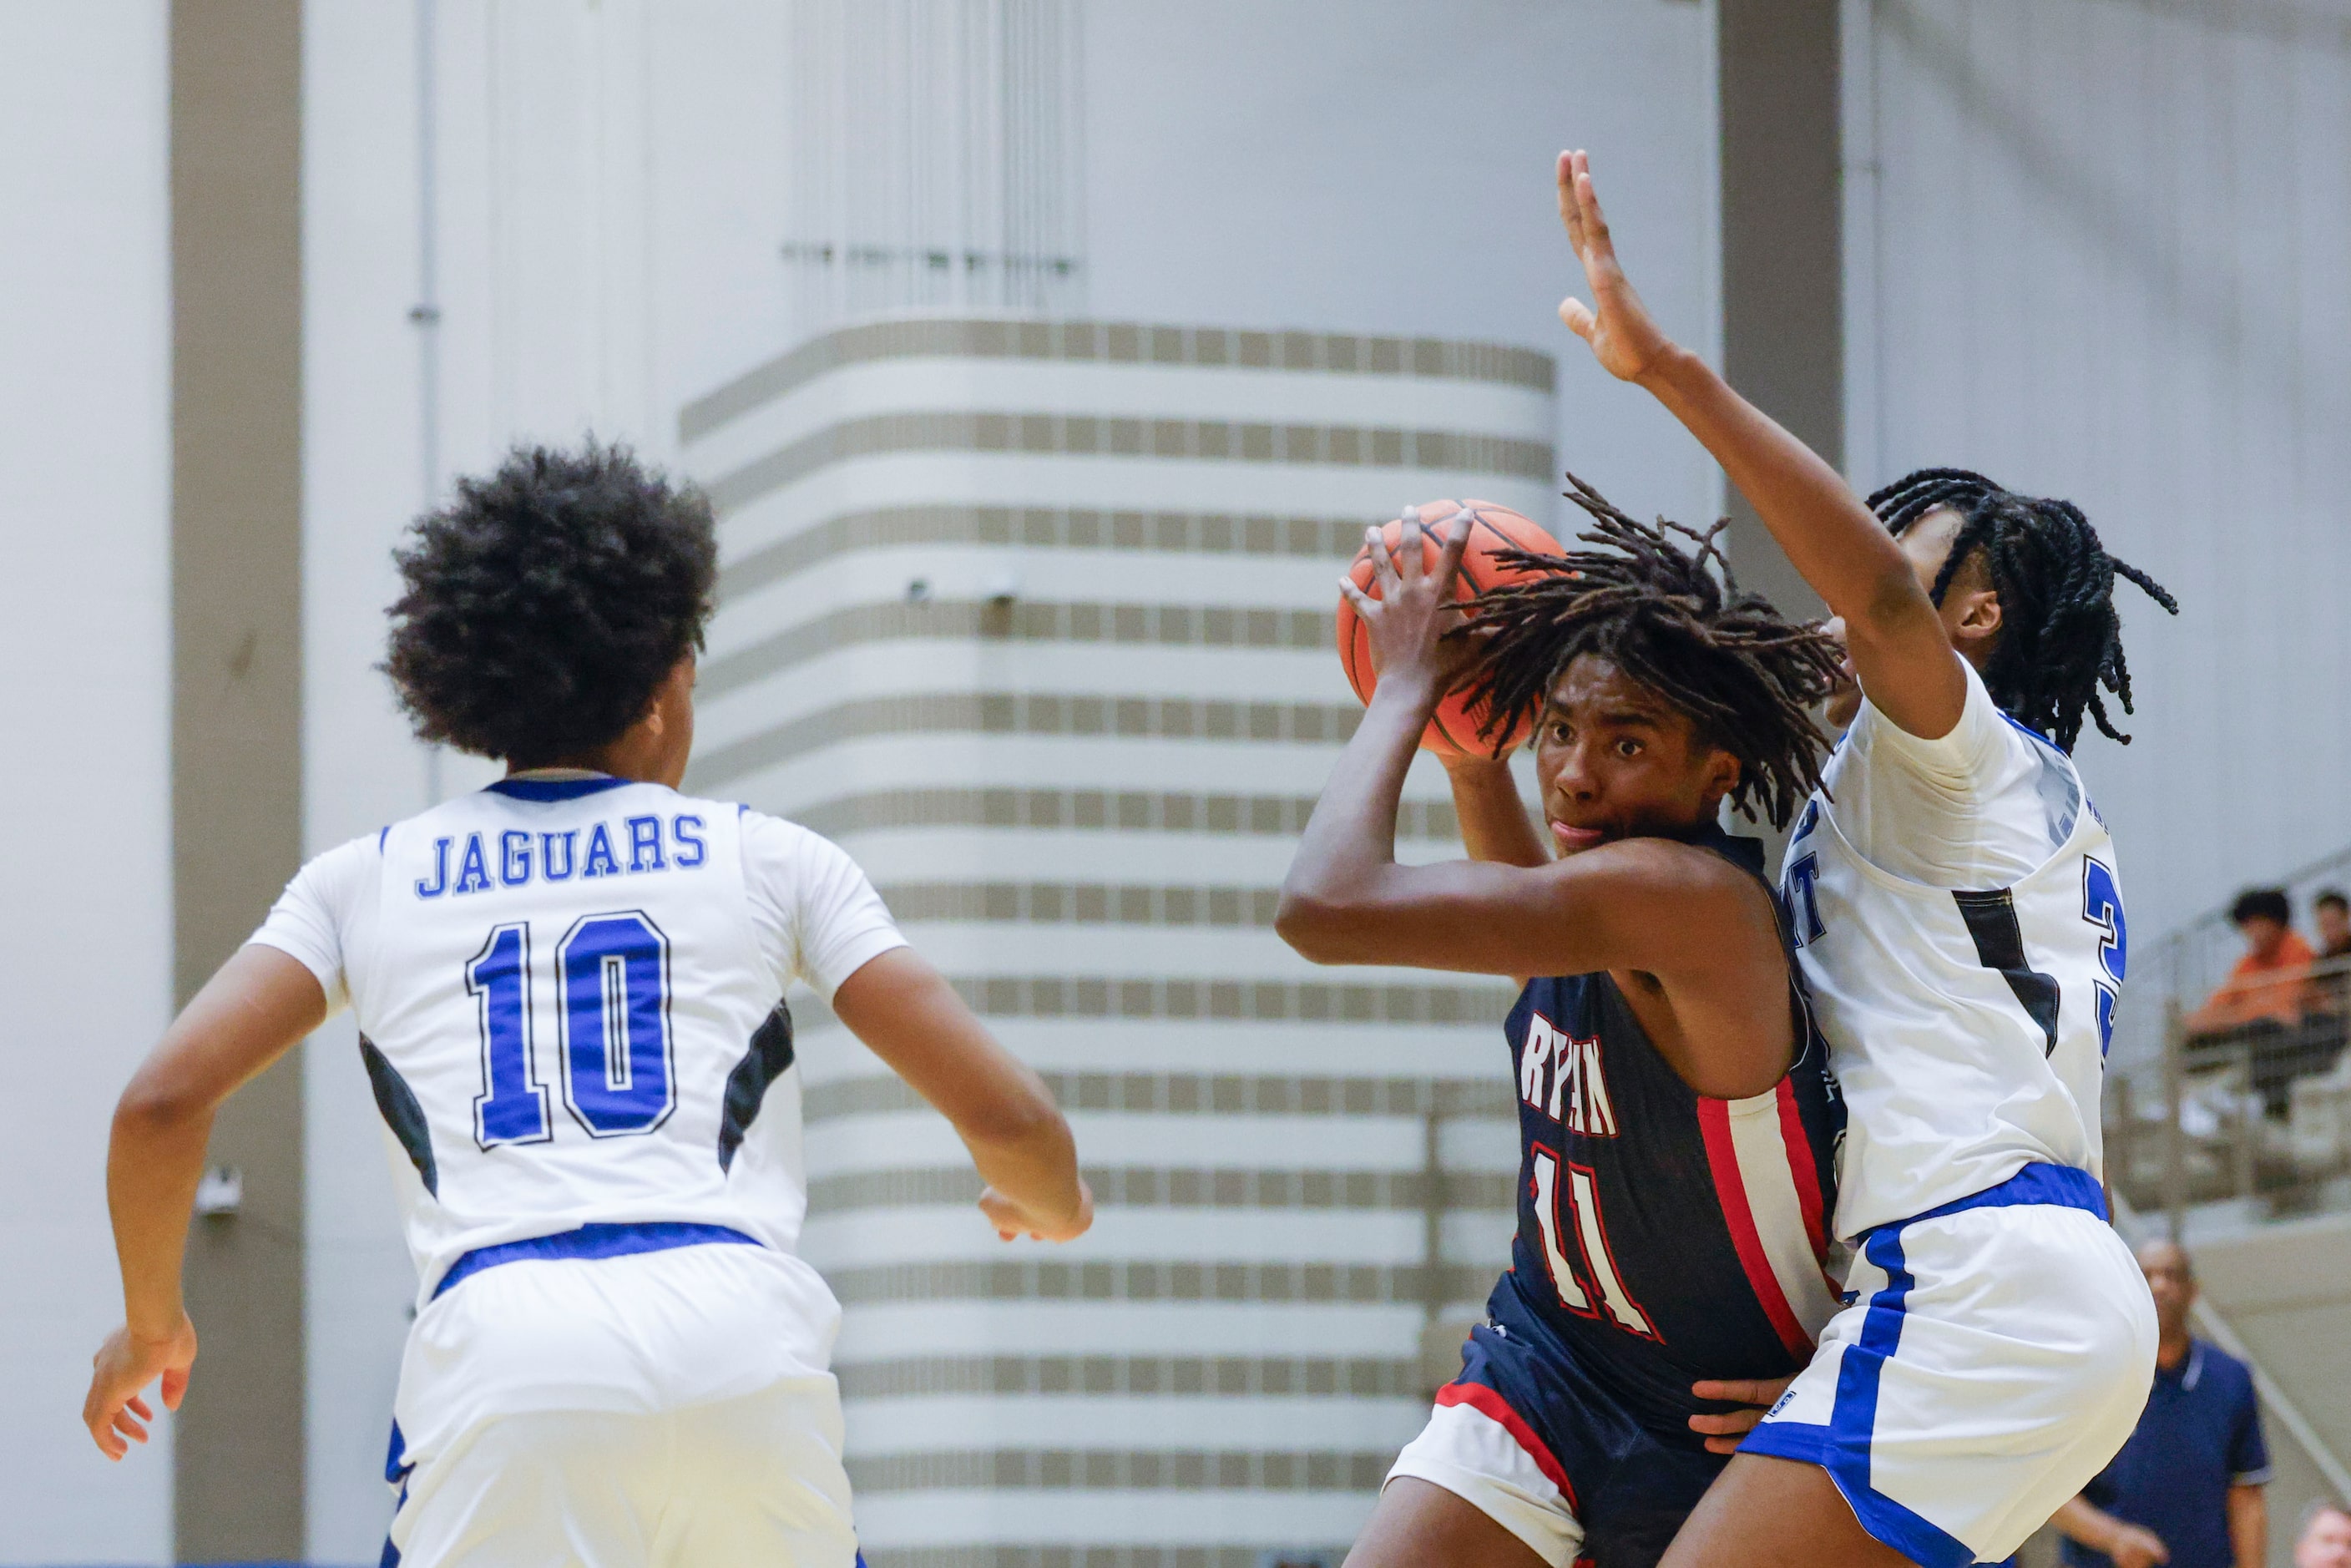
point(237, 763)
point(1783, 244)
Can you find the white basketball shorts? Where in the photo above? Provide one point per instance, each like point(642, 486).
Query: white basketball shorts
point(1993, 1355)
point(622, 1409)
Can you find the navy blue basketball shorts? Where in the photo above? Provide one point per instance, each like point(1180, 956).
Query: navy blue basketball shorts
point(1526, 1436)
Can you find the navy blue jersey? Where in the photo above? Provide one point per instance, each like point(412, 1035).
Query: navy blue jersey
point(1665, 1237)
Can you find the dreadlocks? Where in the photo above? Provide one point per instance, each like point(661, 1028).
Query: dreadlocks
point(1746, 677)
point(2061, 637)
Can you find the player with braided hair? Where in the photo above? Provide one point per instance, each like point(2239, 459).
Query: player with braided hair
point(1677, 1120)
point(1960, 926)
point(2061, 637)
point(1676, 623)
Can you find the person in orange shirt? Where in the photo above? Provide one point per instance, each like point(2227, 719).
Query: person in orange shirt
point(2272, 979)
point(2266, 997)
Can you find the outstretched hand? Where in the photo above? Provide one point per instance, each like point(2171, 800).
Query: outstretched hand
point(125, 1364)
point(1406, 624)
point(1623, 338)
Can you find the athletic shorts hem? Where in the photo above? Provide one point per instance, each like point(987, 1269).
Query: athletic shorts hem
point(1887, 1521)
point(1540, 1534)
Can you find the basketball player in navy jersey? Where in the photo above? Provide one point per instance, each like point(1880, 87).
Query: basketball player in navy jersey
point(1957, 902)
point(1675, 1118)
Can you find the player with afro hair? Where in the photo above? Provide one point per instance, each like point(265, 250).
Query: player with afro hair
point(544, 607)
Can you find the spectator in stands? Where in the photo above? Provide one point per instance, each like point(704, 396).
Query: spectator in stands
point(2325, 1538)
point(2185, 1489)
point(2272, 979)
point(2332, 913)
point(2263, 1003)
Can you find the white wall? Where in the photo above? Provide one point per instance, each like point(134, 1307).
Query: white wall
point(85, 633)
point(2106, 261)
point(1388, 168)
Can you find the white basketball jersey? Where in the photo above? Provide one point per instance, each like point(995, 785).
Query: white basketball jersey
point(568, 1001)
point(1967, 1026)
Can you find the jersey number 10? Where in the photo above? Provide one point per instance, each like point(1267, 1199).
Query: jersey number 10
point(611, 976)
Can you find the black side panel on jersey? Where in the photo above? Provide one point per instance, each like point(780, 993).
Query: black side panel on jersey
point(398, 1105)
point(768, 1058)
point(2000, 944)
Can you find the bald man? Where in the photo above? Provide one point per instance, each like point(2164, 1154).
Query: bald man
point(2186, 1490)
point(2326, 1540)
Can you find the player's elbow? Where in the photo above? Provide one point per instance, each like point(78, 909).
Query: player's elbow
point(155, 1102)
point(1317, 927)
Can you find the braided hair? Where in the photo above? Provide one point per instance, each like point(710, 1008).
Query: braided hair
point(2061, 636)
point(1677, 623)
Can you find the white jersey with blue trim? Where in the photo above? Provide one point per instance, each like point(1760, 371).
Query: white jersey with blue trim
point(569, 1002)
point(1960, 930)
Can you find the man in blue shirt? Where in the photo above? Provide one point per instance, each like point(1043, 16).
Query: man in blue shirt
point(2186, 1490)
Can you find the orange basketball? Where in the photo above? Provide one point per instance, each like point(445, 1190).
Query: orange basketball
point(1453, 731)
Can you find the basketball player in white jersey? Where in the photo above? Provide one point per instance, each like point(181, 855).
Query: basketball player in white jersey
point(570, 995)
point(1955, 897)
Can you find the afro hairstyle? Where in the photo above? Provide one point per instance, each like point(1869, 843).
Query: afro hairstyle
point(544, 604)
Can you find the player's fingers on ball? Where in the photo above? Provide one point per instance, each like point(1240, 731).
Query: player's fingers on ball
point(1363, 602)
point(1457, 529)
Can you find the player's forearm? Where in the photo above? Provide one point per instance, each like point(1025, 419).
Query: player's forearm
point(1494, 821)
point(1350, 839)
point(1832, 539)
point(155, 1160)
point(1037, 1166)
point(257, 1007)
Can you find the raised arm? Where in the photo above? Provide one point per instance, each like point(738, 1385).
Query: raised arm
point(1898, 642)
point(907, 1012)
point(260, 1004)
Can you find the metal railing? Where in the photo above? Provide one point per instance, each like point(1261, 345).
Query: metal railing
point(2255, 1116)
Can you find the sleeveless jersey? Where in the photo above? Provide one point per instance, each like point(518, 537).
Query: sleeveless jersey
point(1664, 1236)
point(1967, 1028)
point(569, 1004)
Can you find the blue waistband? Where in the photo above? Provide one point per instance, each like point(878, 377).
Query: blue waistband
point(2063, 1186)
point(595, 1242)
